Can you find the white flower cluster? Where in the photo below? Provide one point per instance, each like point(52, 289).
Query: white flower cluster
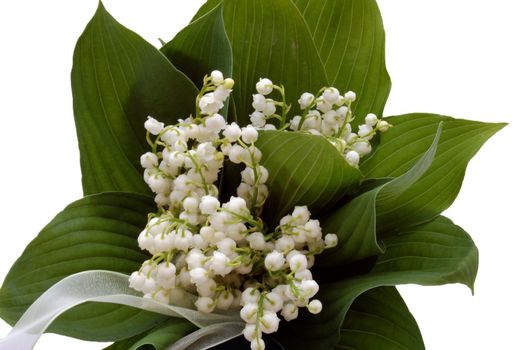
point(222, 256)
point(193, 153)
point(330, 114)
point(265, 107)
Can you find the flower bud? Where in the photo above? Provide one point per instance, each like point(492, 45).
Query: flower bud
point(216, 77)
point(350, 96)
point(331, 240)
point(306, 100)
point(149, 160)
point(274, 261)
point(153, 126)
point(331, 95)
point(371, 119)
point(264, 86)
point(249, 134)
point(315, 306)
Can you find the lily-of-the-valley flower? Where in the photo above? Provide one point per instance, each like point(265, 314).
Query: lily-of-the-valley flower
point(217, 255)
point(327, 114)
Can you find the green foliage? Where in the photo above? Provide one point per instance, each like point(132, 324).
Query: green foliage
point(436, 190)
point(201, 47)
point(305, 45)
point(379, 319)
point(303, 170)
point(98, 232)
point(270, 39)
point(435, 253)
point(350, 39)
point(157, 338)
point(387, 220)
point(355, 223)
point(118, 79)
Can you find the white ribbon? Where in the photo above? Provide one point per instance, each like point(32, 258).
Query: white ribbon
point(107, 287)
point(208, 337)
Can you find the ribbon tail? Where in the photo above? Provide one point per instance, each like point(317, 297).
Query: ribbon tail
point(93, 286)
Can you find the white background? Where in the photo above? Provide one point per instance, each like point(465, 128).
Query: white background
point(460, 58)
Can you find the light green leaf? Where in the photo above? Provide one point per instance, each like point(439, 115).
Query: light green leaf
point(201, 47)
point(118, 79)
point(157, 338)
point(303, 170)
point(379, 319)
point(355, 222)
point(355, 225)
point(350, 39)
point(434, 192)
point(435, 253)
point(269, 39)
point(98, 232)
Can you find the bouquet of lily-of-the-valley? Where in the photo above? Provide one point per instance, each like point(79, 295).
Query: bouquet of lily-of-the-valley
point(243, 191)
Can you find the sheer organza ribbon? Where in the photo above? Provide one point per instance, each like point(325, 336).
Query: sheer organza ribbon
point(112, 287)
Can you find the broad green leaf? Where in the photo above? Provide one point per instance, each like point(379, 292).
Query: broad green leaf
point(355, 225)
point(379, 319)
point(208, 6)
point(434, 192)
point(355, 222)
point(201, 47)
point(157, 338)
point(118, 79)
point(303, 170)
point(98, 232)
point(269, 39)
point(350, 39)
point(435, 253)
point(172, 330)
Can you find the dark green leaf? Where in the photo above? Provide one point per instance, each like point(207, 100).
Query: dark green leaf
point(118, 79)
point(350, 38)
point(379, 319)
point(157, 338)
point(355, 222)
point(201, 47)
point(98, 232)
point(435, 191)
point(303, 170)
point(435, 253)
point(270, 39)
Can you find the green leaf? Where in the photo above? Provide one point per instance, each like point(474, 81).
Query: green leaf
point(350, 39)
point(434, 192)
point(379, 319)
point(208, 6)
point(98, 232)
point(201, 47)
point(157, 338)
point(303, 170)
point(270, 39)
point(355, 225)
point(355, 222)
point(118, 79)
point(167, 333)
point(435, 253)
